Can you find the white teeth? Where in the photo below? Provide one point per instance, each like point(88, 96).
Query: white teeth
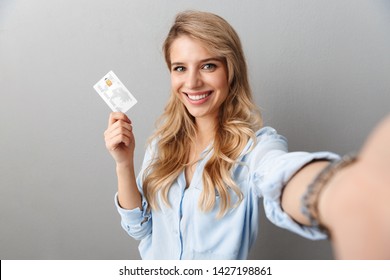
point(198, 97)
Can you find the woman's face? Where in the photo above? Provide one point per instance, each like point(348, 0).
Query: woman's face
point(199, 78)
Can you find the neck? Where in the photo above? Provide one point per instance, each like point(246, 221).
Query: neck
point(205, 129)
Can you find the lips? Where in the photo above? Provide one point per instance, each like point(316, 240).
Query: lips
point(198, 97)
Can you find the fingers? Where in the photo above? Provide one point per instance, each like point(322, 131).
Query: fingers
point(119, 131)
point(121, 126)
point(113, 142)
point(115, 116)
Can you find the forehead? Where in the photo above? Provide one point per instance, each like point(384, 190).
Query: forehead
point(187, 48)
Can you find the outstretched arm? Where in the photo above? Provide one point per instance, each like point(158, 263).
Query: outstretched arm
point(354, 205)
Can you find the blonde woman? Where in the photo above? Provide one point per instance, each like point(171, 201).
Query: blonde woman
point(210, 160)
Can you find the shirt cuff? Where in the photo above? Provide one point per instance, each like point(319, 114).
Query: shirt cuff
point(133, 217)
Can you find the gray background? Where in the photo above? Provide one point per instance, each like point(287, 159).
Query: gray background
point(319, 70)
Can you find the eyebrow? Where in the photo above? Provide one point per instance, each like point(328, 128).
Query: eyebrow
point(219, 59)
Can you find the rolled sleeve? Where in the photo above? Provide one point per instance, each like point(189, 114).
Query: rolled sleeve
point(284, 167)
point(136, 222)
point(275, 168)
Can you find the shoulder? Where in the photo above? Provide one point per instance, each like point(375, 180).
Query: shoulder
point(268, 133)
point(266, 138)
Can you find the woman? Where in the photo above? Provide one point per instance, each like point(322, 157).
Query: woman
point(210, 160)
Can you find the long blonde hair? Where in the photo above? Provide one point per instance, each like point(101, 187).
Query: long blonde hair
point(238, 119)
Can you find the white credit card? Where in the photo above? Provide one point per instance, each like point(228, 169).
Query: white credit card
point(114, 93)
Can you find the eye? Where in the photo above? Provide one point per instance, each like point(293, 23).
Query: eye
point(179, 68)
point(209, 66)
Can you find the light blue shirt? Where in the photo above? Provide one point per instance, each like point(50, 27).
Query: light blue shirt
point(183, 231)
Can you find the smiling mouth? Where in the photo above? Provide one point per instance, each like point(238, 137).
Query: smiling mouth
point(197, 97)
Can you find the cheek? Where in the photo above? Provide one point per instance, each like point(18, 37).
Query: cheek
point(172, 82)
point(223, 84)
point(220, 79)
point(175, 83)
point(224, 92)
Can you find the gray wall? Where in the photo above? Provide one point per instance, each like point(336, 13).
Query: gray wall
point(319, 70)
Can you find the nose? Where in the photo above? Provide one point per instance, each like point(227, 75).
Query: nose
point(193, 79)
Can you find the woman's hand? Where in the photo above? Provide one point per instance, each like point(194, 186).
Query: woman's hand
point(119, 138)
point(356, 204)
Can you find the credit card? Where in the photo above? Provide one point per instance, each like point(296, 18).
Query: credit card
point(114, 93)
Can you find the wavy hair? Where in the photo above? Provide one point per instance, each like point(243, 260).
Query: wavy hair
point(238, 119)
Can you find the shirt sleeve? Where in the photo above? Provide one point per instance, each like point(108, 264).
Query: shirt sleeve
point(273, 168)
point(137, 222)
